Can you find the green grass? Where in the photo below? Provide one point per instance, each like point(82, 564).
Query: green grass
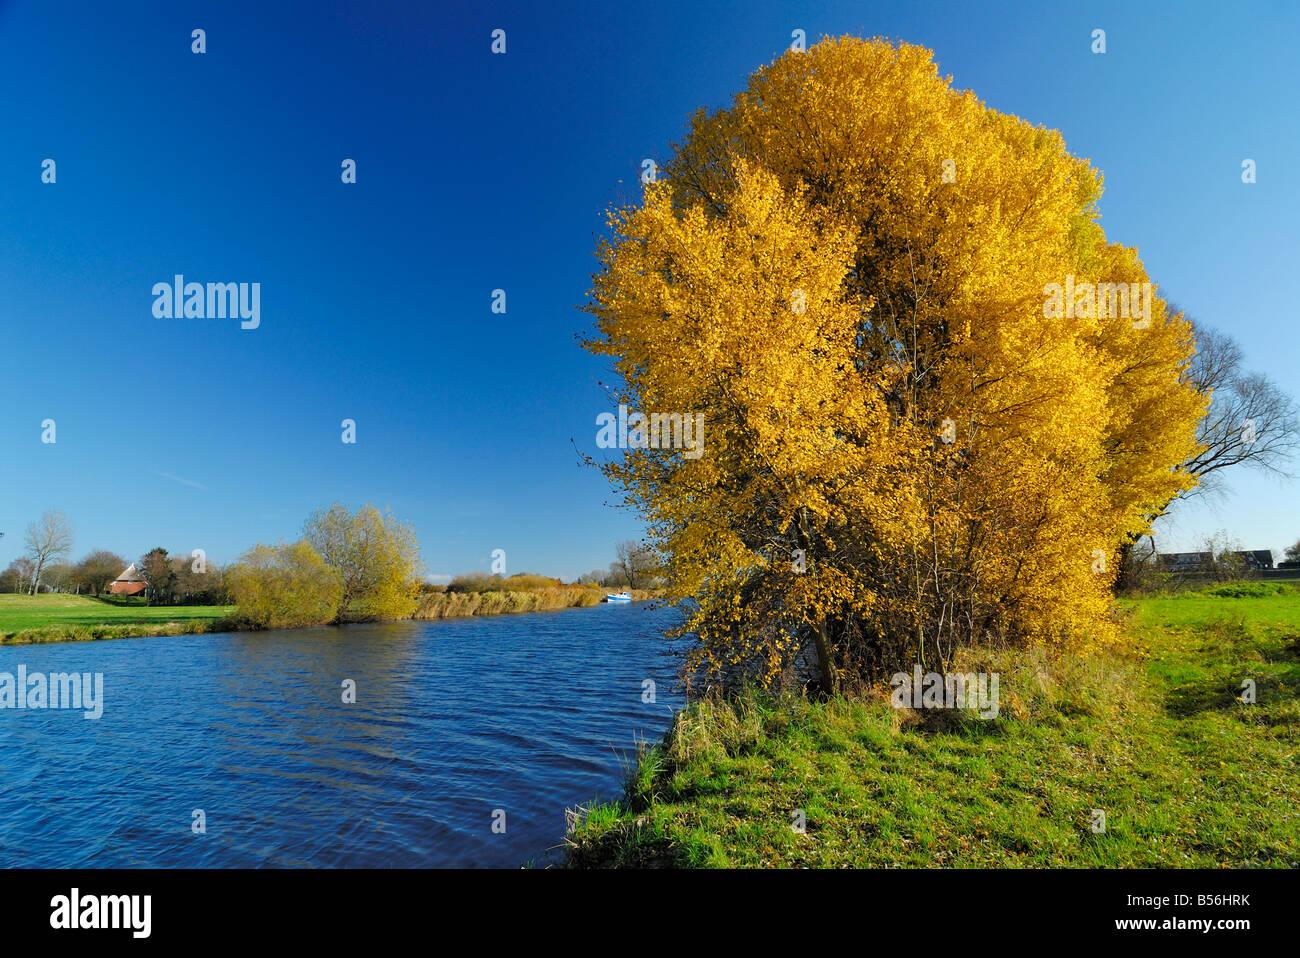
point(1187, 775)
point(28, 619)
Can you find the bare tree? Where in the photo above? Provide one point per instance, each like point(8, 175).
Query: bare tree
point(634, 564)
point(18, 576)
point(1251, 421)
point(48, 539)
point(1226, 563)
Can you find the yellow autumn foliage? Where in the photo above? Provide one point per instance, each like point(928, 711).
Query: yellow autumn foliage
point(906, 449)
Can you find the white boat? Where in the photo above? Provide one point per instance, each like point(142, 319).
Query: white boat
point(618, 597)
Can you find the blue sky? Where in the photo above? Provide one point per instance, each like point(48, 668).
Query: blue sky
point(477, 172)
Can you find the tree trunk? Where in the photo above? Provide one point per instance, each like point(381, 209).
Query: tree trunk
point(829, 678)
point(825, 665)
point(1124, 574)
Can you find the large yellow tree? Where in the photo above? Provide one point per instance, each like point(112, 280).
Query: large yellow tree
point(910, 443)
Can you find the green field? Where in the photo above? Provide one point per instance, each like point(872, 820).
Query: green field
point(1186, 774)
point(49, 618)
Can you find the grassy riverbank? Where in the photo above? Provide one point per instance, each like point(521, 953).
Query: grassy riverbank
point(29, 620)
point(1186, 774)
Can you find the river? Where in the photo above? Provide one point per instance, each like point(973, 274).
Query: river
point(458, 726)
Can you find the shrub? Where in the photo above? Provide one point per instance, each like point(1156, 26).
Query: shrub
point(457, 604)
point(1247, 590)
point(284, 586)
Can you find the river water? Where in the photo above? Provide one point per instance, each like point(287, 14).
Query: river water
point(458, 726)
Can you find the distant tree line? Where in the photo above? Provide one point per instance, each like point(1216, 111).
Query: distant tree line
point(181, 580)
point(89, 576)
point(44, 566)
point(169, 580)
point(635, 566)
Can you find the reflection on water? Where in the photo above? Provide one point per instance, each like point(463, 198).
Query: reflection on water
point(453, 720)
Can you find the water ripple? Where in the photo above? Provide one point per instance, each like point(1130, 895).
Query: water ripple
point(453, 720)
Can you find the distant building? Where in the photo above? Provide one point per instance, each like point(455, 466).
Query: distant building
point(1255, 560)
point(130, 582)
point(1186, 561)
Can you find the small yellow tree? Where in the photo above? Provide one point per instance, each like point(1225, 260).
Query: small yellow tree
point(284, 586)
point(376, 556)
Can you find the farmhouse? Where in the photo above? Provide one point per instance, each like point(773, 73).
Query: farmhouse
point(130, 582)
point(1255, 559)
point(1186, 561)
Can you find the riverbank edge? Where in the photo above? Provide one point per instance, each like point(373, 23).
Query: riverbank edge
point(718, 790)
point(49, 634)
